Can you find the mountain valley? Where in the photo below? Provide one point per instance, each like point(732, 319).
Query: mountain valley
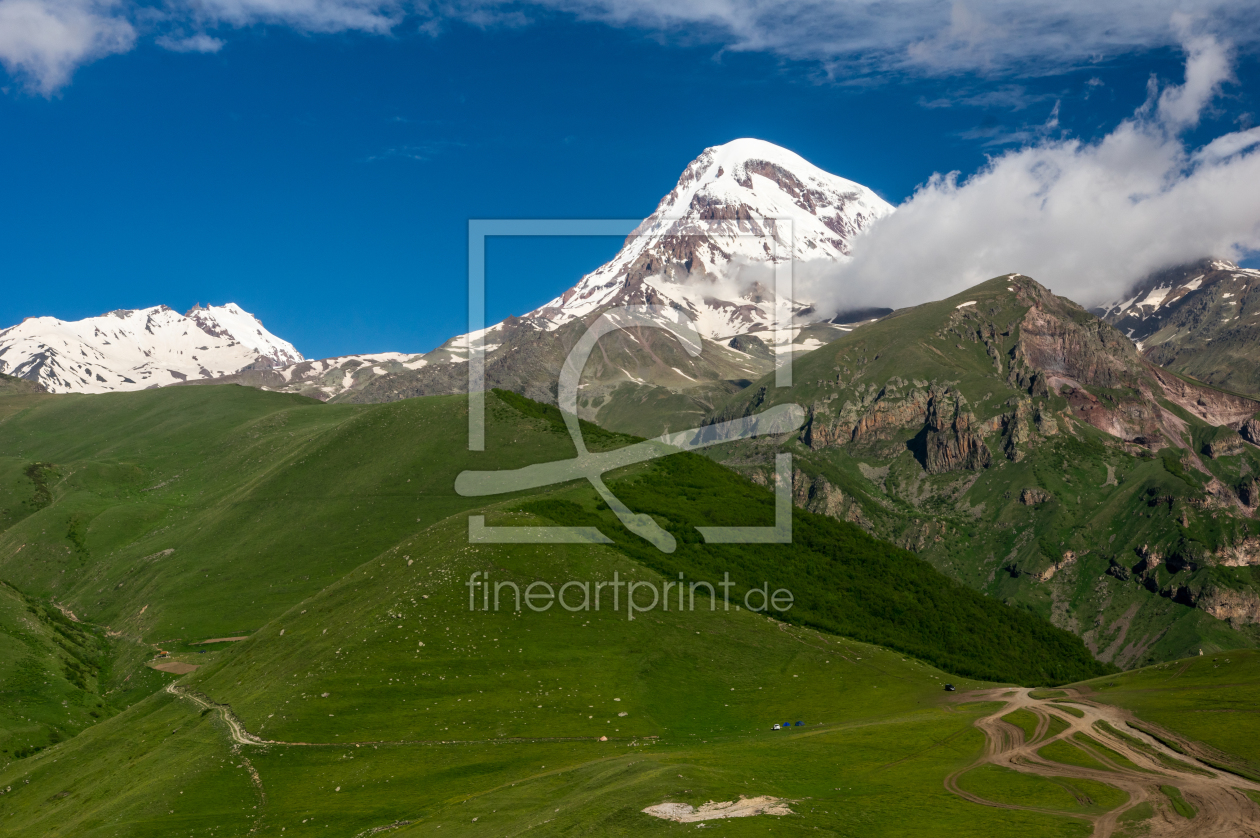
point(243, 592)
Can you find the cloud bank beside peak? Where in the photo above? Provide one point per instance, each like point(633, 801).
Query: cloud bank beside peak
point(1086, 219)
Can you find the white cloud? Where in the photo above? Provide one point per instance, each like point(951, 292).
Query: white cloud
point(1086, 219)
point(372, 16)
point(932, 36)
point(201, 42)
point(43, 41)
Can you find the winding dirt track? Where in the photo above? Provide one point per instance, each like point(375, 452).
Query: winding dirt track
point(1223, 808)
point(240, 736)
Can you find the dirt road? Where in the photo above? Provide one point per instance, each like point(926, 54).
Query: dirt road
point(1223, 807)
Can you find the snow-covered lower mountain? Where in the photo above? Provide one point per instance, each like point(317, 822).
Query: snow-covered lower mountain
point(138, 349)
point(1150, 303)
point(1201, 320)
point(707, 248)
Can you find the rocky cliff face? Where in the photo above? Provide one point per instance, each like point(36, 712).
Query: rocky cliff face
point(952, 442)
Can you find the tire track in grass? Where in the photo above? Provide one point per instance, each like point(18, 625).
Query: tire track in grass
point(1223, 806)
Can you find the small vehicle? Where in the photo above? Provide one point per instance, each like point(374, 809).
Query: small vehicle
point(949, 688)
point(776, 727)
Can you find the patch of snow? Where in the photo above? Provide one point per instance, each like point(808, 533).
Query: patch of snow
point(1156, 297)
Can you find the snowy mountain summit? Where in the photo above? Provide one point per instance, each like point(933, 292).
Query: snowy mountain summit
point(708, 246)
point(138, 349)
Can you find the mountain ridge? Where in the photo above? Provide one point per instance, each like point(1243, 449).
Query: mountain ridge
point(133, 349)
point(1027, 448)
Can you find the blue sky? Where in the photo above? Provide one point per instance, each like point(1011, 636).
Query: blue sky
point(323, 180)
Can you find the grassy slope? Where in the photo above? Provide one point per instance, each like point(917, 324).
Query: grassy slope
point(50, 674)
point(1078, 796)
point(844, 581)
point(974, 527)
point(870, 760)
point(264, 498)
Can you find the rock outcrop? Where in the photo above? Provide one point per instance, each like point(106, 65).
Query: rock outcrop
point(818, 495)
point(1226, 445)
point(952, 442)
point(1034, 496)
point(1244, 553)
point(1068, 559)
point(1150, 559)
point(1235, 607)
point(1250, 431)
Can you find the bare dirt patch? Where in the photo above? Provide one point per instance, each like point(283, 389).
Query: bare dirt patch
point(175, 667)
point(221, 640)
point(745, 807)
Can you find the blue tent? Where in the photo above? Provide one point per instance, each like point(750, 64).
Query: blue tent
point(800, 724)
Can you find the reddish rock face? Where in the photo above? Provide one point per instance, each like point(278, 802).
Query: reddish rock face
point(1031, 497)
point(1213, 406)
point(1245, 553)
point(1091, 353)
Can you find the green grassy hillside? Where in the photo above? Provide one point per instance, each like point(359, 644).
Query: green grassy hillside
point(493, 725)
point(195, 513)
point(1212, 699)
point(843, 580)
point(51, 677)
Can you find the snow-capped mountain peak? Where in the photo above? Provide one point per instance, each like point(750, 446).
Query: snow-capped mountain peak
point(134, 349)
point(699, 251)
point(232, 321)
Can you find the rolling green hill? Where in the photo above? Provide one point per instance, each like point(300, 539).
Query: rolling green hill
point(493, 725)
point(169, 517)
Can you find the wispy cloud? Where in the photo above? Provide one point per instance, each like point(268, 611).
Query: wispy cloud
point(1008, 97)
point(939, 37)
point(422, 152)
point(1086, 219)
point(43, 41)
point(201, 42)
